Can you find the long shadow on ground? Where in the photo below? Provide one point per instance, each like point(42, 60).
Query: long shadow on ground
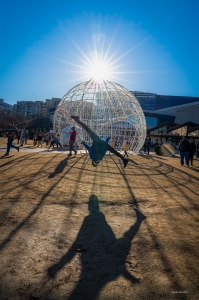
point(103, 261)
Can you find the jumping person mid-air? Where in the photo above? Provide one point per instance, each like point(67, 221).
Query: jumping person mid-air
point(99, 147)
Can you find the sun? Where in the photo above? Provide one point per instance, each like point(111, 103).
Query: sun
point(98, 69)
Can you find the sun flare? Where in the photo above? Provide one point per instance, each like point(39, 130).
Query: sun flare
point(98, 69)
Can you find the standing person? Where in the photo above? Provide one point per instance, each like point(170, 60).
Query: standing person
point(156, 143)
point(192, 150)
point(148, 145)
point(126, 148)
point(51, 141)
point(26, 137)
point(43, 137)
point(18, 136)
point(57, 141)
point(47, 139)
point(113, 144)
point(197, 149)
point(22, 138)
point(99, 147)
point(39, 140)
point(11, 131)
point(145, 145)
point(72, 141)
point(184, 151)
point(34, 139)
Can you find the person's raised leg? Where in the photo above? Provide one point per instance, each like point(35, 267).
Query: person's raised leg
point(112, 150)
point(92, 134)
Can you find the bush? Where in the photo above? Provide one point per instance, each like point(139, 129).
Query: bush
point(158, 150)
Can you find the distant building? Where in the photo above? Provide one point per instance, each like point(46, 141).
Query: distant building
point(151, 101)
point(159, 109)
point(183, 113)
point(32, 109)
point(5, 106)
point(146, 100)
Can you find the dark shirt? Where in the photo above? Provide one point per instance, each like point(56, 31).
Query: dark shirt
point(39, 138)
point(192, 148)
point(184, 146)
point(11, 131)
point(73, 136)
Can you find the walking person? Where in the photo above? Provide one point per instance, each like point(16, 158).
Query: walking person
point(34, 139)
point(26, 137)
point(51, 142)
point(57, 141)
point(184, 147)
point(22, 137)
point(11, 132)
point(99, 147)
point(19, 136)
point(192, 150)
point(148, 145)
point(72, 141)
point(47, 139)
point(39, 140)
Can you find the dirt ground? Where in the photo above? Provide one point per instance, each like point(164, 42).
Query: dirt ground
point(72, 231)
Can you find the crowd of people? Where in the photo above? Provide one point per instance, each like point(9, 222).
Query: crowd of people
point(187, 148)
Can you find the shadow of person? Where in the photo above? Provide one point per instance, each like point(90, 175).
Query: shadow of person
point(60, 167)
point(102, 255)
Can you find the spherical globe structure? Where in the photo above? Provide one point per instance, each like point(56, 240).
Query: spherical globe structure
point(65, 136)
point(109, 109)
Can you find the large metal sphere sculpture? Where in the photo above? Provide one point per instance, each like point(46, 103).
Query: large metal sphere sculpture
point(108, 109)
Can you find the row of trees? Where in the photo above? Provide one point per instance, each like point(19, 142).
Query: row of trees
point(19, 119)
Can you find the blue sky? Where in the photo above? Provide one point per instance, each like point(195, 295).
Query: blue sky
point(153, 45)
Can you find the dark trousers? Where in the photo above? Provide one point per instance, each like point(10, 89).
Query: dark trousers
point(71, 144)
point(10, 145)
point(97, 140)
point(191, 154)
point(185, 155)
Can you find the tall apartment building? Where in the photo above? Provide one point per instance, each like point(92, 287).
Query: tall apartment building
point(30, 108)
point(5, 106)
point(36, 108)
point(50, 103)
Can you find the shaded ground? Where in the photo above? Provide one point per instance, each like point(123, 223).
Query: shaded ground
point(56, 243)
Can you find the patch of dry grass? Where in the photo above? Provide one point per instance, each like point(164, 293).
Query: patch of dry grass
point(57, 243)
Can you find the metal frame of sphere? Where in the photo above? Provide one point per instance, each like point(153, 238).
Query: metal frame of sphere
point(108, 109)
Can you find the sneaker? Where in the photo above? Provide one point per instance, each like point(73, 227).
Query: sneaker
point(69, 154)
point(76, 118)
point(6, 155)
point(125, 162)
point(75, 152)
point(18, 149)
